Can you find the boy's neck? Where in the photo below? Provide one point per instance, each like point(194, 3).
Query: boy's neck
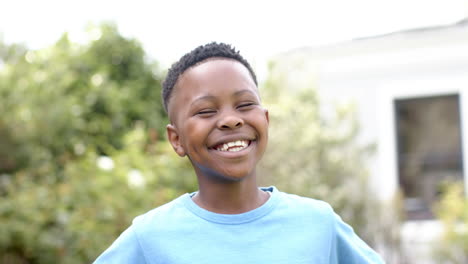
point(230, 198)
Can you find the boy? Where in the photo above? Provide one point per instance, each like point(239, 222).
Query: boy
point(218, 122)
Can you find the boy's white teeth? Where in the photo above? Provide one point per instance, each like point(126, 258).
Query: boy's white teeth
point(233, 146)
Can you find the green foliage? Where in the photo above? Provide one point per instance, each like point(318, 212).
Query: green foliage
point(75, 220)
point(80, 148)
point(452, 210)
point(66, 98)
point(11, 53)
point(316, 154)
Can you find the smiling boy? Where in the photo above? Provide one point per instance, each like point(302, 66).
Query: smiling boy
point(218, 122)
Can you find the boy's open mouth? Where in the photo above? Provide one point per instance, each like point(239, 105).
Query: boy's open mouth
point(233, 146)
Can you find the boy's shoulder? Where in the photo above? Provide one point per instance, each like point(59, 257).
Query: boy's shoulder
point(293, 207)
point(164, 214)
point(305, 204)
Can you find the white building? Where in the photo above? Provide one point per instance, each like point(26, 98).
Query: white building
point(411, 91)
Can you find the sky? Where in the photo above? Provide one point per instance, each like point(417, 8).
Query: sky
point(259, 29)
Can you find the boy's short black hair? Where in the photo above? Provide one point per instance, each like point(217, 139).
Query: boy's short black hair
point(196, 56)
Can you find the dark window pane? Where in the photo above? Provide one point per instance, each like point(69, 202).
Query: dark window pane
point(429, 150)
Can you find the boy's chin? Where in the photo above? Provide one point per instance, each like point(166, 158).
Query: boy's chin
point(221, 177)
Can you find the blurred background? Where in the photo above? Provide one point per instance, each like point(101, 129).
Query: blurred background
point(368, 105)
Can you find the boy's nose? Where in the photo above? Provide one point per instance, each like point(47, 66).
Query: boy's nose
point(230, 122)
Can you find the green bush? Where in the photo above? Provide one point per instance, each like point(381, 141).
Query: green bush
point(81, 151)
point(59, 101)
point(74, 220)
point(452, 211)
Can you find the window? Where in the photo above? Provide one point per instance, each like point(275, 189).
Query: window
point(429, 150)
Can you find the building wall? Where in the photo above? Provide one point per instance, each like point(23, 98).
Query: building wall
point(374, 80)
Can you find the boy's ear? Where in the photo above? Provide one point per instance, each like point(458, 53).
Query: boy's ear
point(174, 139)
point(267, 115)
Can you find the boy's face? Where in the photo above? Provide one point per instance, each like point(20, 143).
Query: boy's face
point(217, 119)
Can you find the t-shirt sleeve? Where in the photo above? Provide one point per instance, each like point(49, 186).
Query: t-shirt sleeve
point(348, 248)
point(126, 249)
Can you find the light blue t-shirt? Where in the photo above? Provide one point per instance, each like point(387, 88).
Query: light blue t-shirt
point(286, 229)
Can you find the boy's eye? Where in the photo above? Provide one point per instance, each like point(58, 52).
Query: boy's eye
point(206, 112)
point(245, 105)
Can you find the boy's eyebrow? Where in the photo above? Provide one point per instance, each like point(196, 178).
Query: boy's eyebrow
point(203, 98)
point(238, 93)
point(212, 98)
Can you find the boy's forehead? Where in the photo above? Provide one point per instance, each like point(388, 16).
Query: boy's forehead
point(215, 63)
